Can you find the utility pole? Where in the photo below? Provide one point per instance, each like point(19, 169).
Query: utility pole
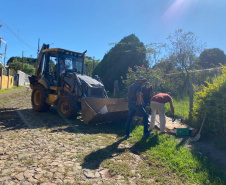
point(0, 43)
point(1, 40)
point(5, 52)
point(22, 60)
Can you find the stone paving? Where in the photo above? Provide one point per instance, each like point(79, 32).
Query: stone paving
point(41, 148)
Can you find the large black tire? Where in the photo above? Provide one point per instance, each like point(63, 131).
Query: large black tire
point(67, 107)
point(38, 99)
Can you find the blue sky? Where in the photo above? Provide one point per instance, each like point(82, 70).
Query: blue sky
point(92, 25)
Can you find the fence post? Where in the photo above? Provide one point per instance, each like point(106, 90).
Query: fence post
point(8, 72)
point(116, 89)
point(1, 74)
point(191, 97)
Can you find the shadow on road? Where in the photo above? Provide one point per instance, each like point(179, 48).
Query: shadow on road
point(94, 159)
point(10, 120)
point(28, 118)
point(144, 144)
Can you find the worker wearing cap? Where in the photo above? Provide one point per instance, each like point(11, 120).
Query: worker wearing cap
point(135, 105)
point(158, 103)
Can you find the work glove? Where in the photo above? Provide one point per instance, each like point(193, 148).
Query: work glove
point(143, 104)
point(173, 118)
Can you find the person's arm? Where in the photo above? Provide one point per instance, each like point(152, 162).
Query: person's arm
point(139, 98)
point(171, 107)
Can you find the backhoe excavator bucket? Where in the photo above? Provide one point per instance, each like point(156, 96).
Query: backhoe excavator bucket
point(104, 109)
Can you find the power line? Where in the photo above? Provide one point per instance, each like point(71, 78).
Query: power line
point(20, 39)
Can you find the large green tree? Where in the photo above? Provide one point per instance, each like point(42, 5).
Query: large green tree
point(28, 69)
point(184, 46)
point(16, 64)
point(24, 59)
point(166, 65)
point(129, 52)
point(212, 58)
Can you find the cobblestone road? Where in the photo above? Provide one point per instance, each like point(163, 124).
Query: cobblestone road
point(43, 148)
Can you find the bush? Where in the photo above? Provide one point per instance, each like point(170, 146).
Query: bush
point(211, 101)
point(29, 69)
point(16, 65)
point(150, 74)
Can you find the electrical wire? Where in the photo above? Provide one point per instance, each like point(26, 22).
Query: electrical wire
point(18, 37)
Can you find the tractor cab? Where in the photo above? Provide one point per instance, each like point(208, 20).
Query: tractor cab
point(54, 63)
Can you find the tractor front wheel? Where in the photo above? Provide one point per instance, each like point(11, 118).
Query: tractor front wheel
point(67, 107)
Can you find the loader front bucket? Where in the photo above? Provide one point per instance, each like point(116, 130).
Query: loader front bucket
point(104, 109)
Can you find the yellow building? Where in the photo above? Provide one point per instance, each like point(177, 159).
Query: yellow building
point(6, 78)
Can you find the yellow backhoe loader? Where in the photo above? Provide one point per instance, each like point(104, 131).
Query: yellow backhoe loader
point(60, 81)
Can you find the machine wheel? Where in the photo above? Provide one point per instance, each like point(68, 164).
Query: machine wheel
point(38, 99)
point(67, 107)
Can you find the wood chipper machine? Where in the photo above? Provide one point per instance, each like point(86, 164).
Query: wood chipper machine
point(60, 81)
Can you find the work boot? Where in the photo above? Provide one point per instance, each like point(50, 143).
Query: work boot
point(161, 133)
point(148, 134)
point(128, 136)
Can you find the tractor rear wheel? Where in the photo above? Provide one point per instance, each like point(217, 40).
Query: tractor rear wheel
point(38, 99)
point(67, 107)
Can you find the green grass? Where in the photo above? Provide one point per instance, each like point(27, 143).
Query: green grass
point(11, 89)
point(4, 100)
point(118, 168)
point(181, 108)
point(164, 157)
point(164, 160)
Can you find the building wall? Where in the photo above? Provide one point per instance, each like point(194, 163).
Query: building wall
point(4, 82)
point(11, 81)
point(23, 78)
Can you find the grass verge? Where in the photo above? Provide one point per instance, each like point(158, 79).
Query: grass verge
point(163, 160)
point(11, 89)
point(181, 108)
point(164, 156)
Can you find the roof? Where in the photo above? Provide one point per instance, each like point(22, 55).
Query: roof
point(60, 50)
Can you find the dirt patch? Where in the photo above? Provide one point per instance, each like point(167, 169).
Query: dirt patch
point(210, 150)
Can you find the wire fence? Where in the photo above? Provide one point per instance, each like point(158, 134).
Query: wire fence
point(5, 72)
point(11, 73)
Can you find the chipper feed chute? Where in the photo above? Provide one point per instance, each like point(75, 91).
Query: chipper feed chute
point(104, 109)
